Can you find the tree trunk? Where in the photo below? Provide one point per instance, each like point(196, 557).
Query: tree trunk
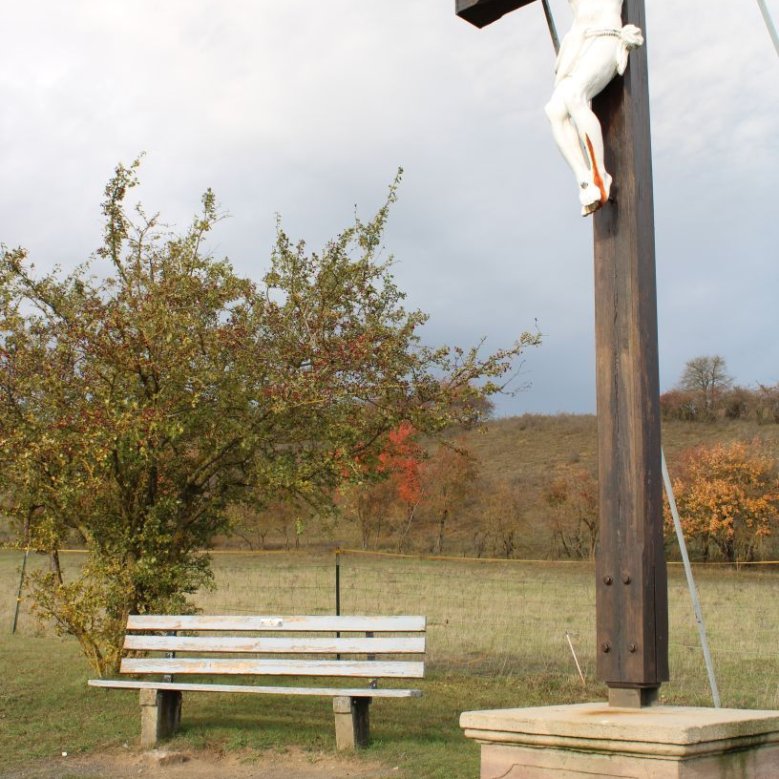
point(439, 542)
point(410, 513)
point(54, 565)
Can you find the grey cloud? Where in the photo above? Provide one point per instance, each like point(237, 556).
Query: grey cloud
point(307, 109)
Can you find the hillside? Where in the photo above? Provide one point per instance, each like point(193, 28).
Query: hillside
point(525, 448)
point(530, 450)
point(506, 513)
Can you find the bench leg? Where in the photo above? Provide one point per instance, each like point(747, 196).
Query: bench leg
point(160, 715)
point(352, 725)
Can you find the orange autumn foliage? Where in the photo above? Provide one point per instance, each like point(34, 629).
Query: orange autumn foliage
point(728, 499)
point(401, 460)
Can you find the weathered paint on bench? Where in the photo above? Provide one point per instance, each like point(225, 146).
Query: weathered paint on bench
point(243, 667)
point(161, 700)
point(233, 623)
point(287, 646)
point(352, 692)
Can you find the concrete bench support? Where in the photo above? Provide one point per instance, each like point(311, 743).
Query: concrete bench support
point(160, 715)
point(352, 724)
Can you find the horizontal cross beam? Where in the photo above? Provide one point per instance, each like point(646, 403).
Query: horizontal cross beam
point(483, 12)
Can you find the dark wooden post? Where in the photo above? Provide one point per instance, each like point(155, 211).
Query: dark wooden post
point(631, 587)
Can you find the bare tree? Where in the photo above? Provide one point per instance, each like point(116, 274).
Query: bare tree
point(707, 377)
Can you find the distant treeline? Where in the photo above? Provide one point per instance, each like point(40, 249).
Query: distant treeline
point(759, 405)
point(526, 487)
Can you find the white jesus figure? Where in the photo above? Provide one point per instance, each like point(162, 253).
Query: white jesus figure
point(593, 52)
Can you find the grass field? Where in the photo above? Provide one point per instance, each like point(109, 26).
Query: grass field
point(497, 638)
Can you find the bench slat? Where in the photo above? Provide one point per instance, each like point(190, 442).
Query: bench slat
point(234, 623)
point(284, 645)
point(354, 692)
point(197, 665)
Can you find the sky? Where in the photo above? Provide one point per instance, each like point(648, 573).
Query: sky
point(307, 108)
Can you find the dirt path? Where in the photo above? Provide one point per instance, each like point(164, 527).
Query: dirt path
point(203, 765)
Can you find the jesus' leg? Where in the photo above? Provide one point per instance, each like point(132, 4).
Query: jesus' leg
point(592, 137)
point(567, 139)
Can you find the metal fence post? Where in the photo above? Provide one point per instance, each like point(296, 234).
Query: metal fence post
point(19, 592)
point(337, 582)
point(338, 592)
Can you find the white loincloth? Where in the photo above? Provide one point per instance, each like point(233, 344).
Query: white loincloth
point(630, 37)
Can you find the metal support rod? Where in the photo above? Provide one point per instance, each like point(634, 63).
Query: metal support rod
point(551, 25)
point(769, 23)
point(696, 604)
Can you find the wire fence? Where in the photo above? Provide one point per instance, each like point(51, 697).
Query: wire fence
point(501, 617)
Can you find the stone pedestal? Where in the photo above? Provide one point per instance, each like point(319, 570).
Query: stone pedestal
point(595, 740)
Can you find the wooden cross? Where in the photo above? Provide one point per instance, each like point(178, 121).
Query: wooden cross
point(631, 584)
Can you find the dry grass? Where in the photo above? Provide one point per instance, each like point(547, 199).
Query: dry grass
point(504, 618)
point(526, 447)
point(496, 638)
point(509, 618)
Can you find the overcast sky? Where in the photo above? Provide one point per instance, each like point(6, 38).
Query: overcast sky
point(307, 107)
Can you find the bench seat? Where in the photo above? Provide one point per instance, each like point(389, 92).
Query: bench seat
point(352, 692)
point(273, 646)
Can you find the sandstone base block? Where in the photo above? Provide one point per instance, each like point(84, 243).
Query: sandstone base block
point(592, 740)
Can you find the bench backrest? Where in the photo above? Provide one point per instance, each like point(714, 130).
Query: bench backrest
point(279, 646)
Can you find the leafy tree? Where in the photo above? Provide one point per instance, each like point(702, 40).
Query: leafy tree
point(285, 518)
point(767, 404)
point(707, 377)
point(728, 499)
point(369, 502)
point(572, 497)
point(250, 524)
point(760, 404)
point(449, 479)
point(680, 404)
point(408, 482)
point(401, 462)
point(504, 513)
point(386, 487)
point(136, 406)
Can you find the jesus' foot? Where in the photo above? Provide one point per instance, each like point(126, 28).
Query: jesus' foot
point(603, 183)
point(594, 194)
point(590, 197)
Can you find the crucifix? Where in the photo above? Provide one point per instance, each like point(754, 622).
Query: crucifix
point(599, 112)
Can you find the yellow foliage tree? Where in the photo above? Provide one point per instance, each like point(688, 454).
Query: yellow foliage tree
point(728, 499)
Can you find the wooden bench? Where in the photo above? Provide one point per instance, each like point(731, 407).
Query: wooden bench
point(323, 647)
